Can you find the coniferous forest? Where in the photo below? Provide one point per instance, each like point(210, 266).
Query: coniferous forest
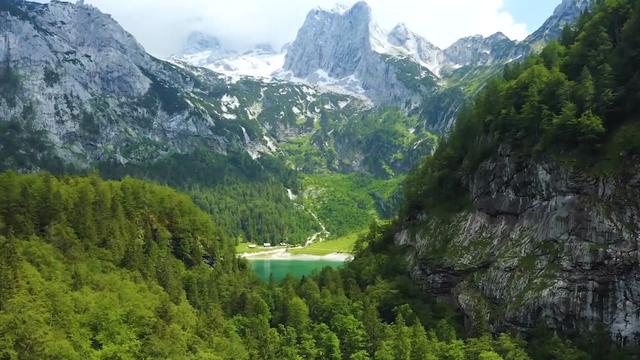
point(129, 270)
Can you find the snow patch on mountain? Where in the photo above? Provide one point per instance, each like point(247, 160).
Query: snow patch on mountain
point(344, 50)
point(206, 51)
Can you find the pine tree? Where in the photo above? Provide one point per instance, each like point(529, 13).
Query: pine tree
point(9, 272)
point(585, 91)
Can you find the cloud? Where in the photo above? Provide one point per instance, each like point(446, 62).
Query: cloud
point(162, 25)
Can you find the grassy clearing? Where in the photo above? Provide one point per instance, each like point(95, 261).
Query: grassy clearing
point(341, 245)
point(347, 203)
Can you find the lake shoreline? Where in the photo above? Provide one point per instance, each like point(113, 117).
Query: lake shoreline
point(283, 254)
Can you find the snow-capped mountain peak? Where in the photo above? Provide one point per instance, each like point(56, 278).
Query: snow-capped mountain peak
point(207, 51)
point(343, 49)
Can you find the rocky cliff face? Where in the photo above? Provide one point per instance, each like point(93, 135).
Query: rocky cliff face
point(542, 242)
point(331, 41)
point(341, 49)
point(405, 42)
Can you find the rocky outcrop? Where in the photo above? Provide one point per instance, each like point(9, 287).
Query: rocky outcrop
point(331, 41)
point(542, 243)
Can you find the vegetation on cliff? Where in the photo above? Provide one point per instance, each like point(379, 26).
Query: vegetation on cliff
point(577, 101)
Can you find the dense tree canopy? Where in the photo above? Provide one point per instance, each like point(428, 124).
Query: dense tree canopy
point(94, 269)
point(248, 198)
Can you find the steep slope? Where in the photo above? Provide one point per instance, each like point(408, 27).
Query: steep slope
point(528, 214)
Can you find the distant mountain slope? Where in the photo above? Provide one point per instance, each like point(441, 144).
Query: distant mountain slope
point(344, 50)
point(96, 94)
point(206, 51)
point(338, 49)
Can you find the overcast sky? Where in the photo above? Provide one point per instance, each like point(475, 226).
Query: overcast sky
point(162, 25)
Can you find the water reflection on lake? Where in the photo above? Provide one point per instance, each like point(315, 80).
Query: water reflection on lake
point(296, 268)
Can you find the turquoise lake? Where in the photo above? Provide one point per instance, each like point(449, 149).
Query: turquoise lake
point(296, 268)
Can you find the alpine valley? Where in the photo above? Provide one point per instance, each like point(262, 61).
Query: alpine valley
point(488, 191)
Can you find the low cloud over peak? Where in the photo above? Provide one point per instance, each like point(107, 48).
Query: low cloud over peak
point(163, 25)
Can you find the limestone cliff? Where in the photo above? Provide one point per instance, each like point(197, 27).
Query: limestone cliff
point(541, 242)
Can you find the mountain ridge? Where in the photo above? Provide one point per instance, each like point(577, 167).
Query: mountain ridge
point(82, 83)
point(399, 67)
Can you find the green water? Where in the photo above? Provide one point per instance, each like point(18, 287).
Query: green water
point(296, 268)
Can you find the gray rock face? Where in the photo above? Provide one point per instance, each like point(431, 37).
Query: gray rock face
point(338, 49)
point(417, 47)
point(480, 51)
point(542, 243)
point(330, 41)
point(566, 13)
point(347, 50)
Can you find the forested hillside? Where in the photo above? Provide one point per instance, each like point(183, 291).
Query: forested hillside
point(95, 269)
point(528, 212)
point(577, 102)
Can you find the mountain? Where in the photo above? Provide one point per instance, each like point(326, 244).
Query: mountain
point(344, 50)
point(404, 42)
point(336, 49)
point(95, 94)
point(480, 51)
point(77, 92)
point(206, 51)
point(567, 13)
point(525, 220)
point(354, 57)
